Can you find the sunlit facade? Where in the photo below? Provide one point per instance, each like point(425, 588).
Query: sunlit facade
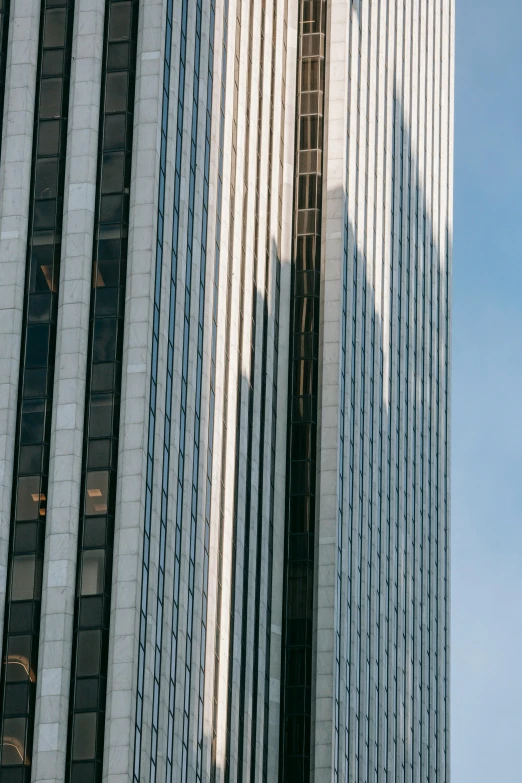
point(225, 294)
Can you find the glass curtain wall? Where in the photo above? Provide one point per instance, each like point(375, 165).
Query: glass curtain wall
point(24, 585)
point(98, 492)
point(302, 435)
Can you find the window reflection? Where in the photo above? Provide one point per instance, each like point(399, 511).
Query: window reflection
point(28, 498)
point(97, 490)
point(18, 660)
point(13, 742)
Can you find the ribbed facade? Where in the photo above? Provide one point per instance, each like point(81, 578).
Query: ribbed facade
point(225, 294)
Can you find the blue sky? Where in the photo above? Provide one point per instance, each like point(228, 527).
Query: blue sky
point(487, 396)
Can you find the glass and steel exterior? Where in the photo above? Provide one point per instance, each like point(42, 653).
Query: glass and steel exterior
point(251, 539)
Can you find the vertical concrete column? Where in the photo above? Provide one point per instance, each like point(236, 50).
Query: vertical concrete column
point(15, 176)
point(328, 436)
point(210, 294)
point(134, 410)
point(58, 594)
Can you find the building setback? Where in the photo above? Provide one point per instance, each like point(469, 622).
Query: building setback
point(225, 296)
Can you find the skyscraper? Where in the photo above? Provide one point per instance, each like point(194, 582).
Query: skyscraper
point(225, 260)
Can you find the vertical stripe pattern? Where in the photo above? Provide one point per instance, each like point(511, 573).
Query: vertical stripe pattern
point(101, 431)
point(296, 687)
point(28, 515)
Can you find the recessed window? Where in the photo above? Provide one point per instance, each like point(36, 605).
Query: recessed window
point(35, 385)
point(107, 298)
point(102, 377)
point(112, 172)
point(46, 178)
point(114, 136)
point(110, 210)
point(54, 28)
point(84, 736)
point(16, 699)
point(92, 572)
point(52, 63)
point(42, 262)
point(94, 531)
point(86, 697)
point(50, 98)
point(26, 578)
point(18, 661)
point(44, 214)
point(97, 492)
point(39, 307)
point(120, 21)
point(118, 56)
point(107, 268)
point(26, 536)
point(100, 416)
point(37, 346)
point(99, 454)
point(13, 742)
point(28, 498)
point(104, 342)
point(49, 137)
point(88, 656)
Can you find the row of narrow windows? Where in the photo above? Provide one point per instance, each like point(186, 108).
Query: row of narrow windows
point(23, 606)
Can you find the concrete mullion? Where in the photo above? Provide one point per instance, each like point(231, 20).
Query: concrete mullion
point(130, 498)
point(59, 574)
point(215, 477)
point(222, 368)
point(276, 617)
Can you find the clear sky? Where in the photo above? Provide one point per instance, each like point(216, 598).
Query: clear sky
point(487, 396)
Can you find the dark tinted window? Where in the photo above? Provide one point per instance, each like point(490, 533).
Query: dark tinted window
point(51, 98)
point(88, 653)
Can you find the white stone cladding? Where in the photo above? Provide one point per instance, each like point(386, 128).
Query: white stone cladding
point(132, 458)
point(59, 577)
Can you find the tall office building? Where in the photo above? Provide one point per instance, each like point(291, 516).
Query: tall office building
point(225, 257)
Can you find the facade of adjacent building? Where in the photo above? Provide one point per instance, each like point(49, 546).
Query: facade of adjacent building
point(225, 268)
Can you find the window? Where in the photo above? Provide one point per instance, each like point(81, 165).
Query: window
point(88, 654)
point(97, 492)
point(18, 660)
point(13, 741)
point(92, 572)
point(84, 736)
point(26, 580)
point(29, 498)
